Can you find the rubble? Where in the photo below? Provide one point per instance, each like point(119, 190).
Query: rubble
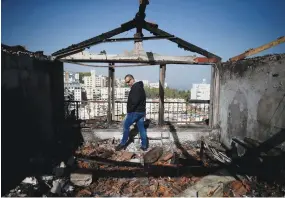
point(81, 179)
point(236, 189)
point(153, 155)
point(126, 156)
point(30, 180)
point(57, 186)
point(167, 156)
point(97, 170)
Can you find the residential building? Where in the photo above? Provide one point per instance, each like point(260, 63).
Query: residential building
point(93, 78)
point(100, 93)
point(122, 93)
point(101, 81)
point(77, 77)
point(201, 91)
point(75, 89)
point(88, 87)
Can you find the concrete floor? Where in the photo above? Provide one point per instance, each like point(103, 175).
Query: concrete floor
point(174, 133)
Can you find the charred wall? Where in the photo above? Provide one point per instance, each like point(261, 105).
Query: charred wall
point(252, 98)
point(32, 109)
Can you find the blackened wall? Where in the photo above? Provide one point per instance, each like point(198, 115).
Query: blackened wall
point(32, 110)
point(252, 98)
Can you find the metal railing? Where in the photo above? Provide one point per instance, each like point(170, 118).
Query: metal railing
point(176, 112)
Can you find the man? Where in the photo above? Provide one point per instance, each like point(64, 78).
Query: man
point(135, 112)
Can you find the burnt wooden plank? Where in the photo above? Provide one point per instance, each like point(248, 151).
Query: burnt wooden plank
point(258, 49)
point(162, 70)
point(95, 40)
point(181, 43)
point(137, 39)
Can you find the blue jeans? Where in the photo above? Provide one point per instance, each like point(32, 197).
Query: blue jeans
point(131, 118)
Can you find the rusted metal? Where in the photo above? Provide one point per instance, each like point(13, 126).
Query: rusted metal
point(205, 60)
point(181, 43)
point(254, 51)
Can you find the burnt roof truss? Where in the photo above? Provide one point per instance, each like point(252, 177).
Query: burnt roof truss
point(139, 23)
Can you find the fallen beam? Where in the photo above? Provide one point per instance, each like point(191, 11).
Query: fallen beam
point(149, 58)
point(95, 40)
point(181, 43)
point(258, 49)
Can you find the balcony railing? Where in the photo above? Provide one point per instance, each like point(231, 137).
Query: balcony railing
point(175, 112)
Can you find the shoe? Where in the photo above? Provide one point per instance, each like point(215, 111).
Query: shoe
point(143, 148)
point(120, 147)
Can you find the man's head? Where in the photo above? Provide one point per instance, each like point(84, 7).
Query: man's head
point(129, 80)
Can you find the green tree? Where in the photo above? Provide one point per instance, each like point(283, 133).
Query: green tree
point(168, 93)
point(82, 74)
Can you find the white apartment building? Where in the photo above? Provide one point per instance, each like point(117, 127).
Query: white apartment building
point(122, 93)
point(101, 81)
point(93, 109)
point(76, 76)
point(100, 93)
point(93, 78)
point(87, 85)
point(201, 91)
point(75, 89)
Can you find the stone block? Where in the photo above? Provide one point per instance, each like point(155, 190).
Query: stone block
point(81, 179)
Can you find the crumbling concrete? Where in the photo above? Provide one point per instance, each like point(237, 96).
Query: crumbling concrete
point(252, 98)
point(209, 186)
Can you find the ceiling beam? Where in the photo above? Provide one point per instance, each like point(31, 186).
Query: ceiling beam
point(135, 38)
point(181, 43)
point(106, 66)
point(149, 58)
point(95, 40)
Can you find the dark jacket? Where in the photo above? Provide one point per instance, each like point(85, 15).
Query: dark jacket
point(137, 98)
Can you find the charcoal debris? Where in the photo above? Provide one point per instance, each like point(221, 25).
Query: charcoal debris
point(122, 173)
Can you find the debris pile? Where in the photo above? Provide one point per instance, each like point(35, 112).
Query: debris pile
point(96, 169)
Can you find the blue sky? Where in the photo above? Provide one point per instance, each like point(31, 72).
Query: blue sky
point(224, 27)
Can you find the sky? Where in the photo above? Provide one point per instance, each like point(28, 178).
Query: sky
point(223, 27)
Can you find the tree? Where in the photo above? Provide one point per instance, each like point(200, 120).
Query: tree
point(168, 93)
point(82, 74)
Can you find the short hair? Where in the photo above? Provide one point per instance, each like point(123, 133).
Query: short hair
point(129, 75)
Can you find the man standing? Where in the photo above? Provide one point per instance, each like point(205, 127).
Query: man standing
point(135, 112)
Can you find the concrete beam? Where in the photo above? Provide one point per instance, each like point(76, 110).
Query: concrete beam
point(148, 57)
